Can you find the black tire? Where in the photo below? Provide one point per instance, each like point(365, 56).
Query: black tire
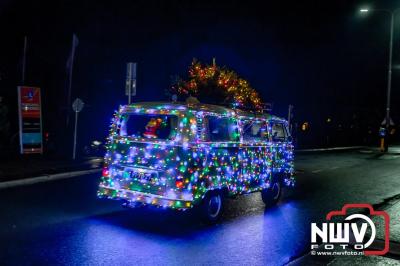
point(211, 207)
point(272, 195)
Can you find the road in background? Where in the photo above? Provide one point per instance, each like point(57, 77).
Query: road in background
point(62, 222)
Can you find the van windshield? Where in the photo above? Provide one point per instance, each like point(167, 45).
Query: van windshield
point(149, 126)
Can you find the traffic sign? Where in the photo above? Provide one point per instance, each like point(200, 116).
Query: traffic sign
point(130, 84)
point(130, 87)
point(78, 105)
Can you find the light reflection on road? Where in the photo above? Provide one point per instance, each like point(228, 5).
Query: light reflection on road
point(271, 237)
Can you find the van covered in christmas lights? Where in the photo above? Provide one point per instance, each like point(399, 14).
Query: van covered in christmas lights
point(184, 155)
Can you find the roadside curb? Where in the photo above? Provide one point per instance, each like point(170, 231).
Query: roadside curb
point(45, 178)
point(309, 259)
point(331, 149)
point(88, 163)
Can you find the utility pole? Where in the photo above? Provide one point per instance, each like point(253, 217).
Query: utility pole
point(389, 85)
point(385, 135)
point(24, 60)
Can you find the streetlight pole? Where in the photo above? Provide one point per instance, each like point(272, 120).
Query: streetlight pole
point(389, 84)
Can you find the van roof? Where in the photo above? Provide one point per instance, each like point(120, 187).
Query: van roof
point(196, 107)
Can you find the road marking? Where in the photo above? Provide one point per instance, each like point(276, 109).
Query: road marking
point(320, 170)
point(45, 178)
point(332, 149)
point(317, 171)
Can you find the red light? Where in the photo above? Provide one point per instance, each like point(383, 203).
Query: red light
point(179, 184)
point(105, 172)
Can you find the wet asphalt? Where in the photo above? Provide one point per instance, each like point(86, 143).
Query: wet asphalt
point(63, 223)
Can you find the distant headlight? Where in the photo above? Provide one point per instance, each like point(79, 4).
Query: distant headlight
point(96, 143)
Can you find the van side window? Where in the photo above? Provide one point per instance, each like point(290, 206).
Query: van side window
point(255, 130)
point(278, 132)
point(155, 126)
point(221, 129)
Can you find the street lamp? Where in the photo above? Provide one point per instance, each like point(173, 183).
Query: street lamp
point(389, 84)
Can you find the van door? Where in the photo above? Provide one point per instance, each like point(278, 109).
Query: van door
point(221, 142)
point(282, 148)
point(254, 160)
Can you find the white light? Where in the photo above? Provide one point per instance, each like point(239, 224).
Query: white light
point(364, 10)
point(96, 142)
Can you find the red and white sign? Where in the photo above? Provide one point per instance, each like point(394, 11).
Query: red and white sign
point(30, 119)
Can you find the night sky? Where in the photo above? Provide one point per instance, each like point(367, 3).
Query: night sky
point(323, 57)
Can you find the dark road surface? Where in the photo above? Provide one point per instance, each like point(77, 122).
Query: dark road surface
point(63, 223)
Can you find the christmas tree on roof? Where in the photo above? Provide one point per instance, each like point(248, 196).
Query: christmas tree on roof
point(216, 85)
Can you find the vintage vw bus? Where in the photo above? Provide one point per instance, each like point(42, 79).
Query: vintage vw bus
point(184, 155)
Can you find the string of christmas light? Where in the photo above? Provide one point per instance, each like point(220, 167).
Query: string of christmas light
point(211, 82)
point(179, 171)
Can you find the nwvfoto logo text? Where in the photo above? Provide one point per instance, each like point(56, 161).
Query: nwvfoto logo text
point(351, 233)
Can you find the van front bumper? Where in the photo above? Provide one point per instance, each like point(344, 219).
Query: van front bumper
point(144, 198)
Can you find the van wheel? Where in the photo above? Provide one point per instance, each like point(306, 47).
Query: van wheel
point(211, 207)
point(271, 195)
